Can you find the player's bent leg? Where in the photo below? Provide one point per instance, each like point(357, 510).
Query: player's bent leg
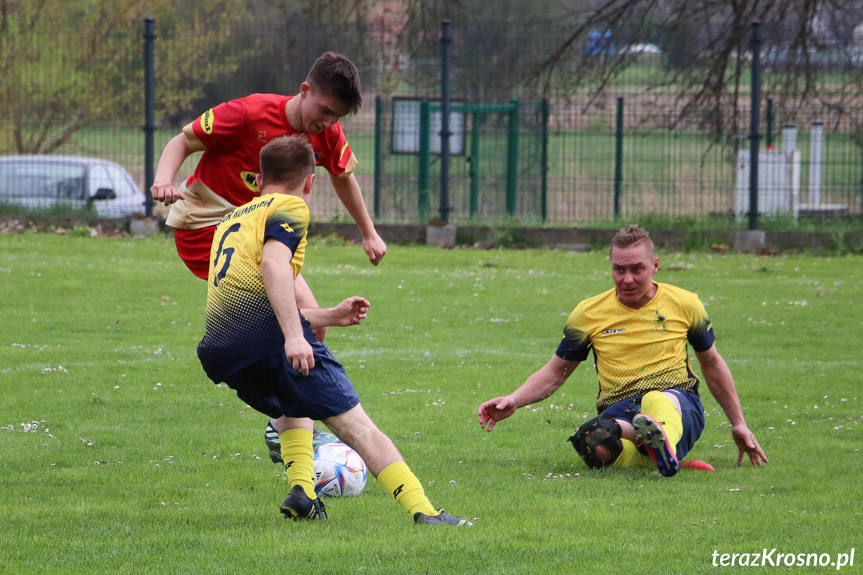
point(387, 465)
point(356, 429)
point(306, 299)
point(658, 427)
point(598, 441)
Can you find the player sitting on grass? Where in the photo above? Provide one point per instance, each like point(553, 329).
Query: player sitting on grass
point(260, 344)
point(648, 404)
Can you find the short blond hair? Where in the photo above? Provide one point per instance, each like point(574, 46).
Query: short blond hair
point(629, 236)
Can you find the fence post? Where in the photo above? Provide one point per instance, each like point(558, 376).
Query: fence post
point(378, 151)
point(424, 161)
point(474, 163)
point(618, 157)
point(512, 159)
point(816, 141)
point(769, 139)
point(444, 122)
point(149, 123)
point(544, 158)
point(754, 136)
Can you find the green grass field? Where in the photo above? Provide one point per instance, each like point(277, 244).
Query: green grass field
point(139, 464)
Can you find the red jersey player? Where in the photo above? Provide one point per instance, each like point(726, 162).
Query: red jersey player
point(231, 136)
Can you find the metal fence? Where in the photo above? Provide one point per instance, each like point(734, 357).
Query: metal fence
point(573, 159)
point(618, 158)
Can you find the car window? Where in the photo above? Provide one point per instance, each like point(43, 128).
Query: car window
point(99, 178)
point(122, 184)
point(41, 180)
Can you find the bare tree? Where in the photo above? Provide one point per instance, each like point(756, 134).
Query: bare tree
point(58, 78)
point(504, 48)
point(706, 56)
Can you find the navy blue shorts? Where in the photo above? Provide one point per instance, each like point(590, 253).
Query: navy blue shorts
point(271, 386)
point(692, 414)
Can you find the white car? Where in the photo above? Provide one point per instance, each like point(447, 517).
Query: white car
point(57, 183)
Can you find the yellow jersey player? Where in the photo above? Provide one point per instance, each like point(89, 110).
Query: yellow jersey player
point(649, 409)
point(231, 136)
point(259, 343)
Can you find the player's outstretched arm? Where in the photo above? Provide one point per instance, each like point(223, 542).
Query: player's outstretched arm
point(349, 193)
point(175, 153)
point(540, 385)
point(351, 311)
point(721, 385)
point(279, 284)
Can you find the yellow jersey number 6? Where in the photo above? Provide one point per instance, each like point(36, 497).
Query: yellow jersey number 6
point(228, 253)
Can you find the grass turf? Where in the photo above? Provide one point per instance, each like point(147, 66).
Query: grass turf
point(139, 465)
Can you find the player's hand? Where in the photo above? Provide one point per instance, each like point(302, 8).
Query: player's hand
point(375, 248)
point(166, 193)
point(300, 355)
point(351, 311)
point(747, 444)
point(494, 410)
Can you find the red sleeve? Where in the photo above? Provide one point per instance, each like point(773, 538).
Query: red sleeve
point(221, 128)
point(335, 151)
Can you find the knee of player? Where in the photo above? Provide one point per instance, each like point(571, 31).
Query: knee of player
point(598, 442)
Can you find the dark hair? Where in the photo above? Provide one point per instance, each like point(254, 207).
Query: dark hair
point(336, 76)
point(287, 161)
point(629, 236)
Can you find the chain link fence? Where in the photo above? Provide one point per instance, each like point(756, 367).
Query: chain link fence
point(563, 159)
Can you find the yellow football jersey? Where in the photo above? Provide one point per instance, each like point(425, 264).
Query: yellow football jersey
point(636, 351)
point(241, 327)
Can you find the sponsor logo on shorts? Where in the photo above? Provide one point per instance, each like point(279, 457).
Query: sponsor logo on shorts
point(207, 121)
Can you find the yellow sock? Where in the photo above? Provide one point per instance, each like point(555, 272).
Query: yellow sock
point(406, 488)
point(631, 457)
point(663, 410)
point(299, 460)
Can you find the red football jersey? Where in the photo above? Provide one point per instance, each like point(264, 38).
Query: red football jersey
point(235, 132)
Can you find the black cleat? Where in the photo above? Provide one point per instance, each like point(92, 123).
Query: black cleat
point(443, 518)
point(299, 506)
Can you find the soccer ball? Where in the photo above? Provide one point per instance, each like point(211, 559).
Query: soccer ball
point(339, 470)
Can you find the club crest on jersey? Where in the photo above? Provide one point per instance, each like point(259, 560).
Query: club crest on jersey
point(208, 118)
point(660, 322)
point(249, 178)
